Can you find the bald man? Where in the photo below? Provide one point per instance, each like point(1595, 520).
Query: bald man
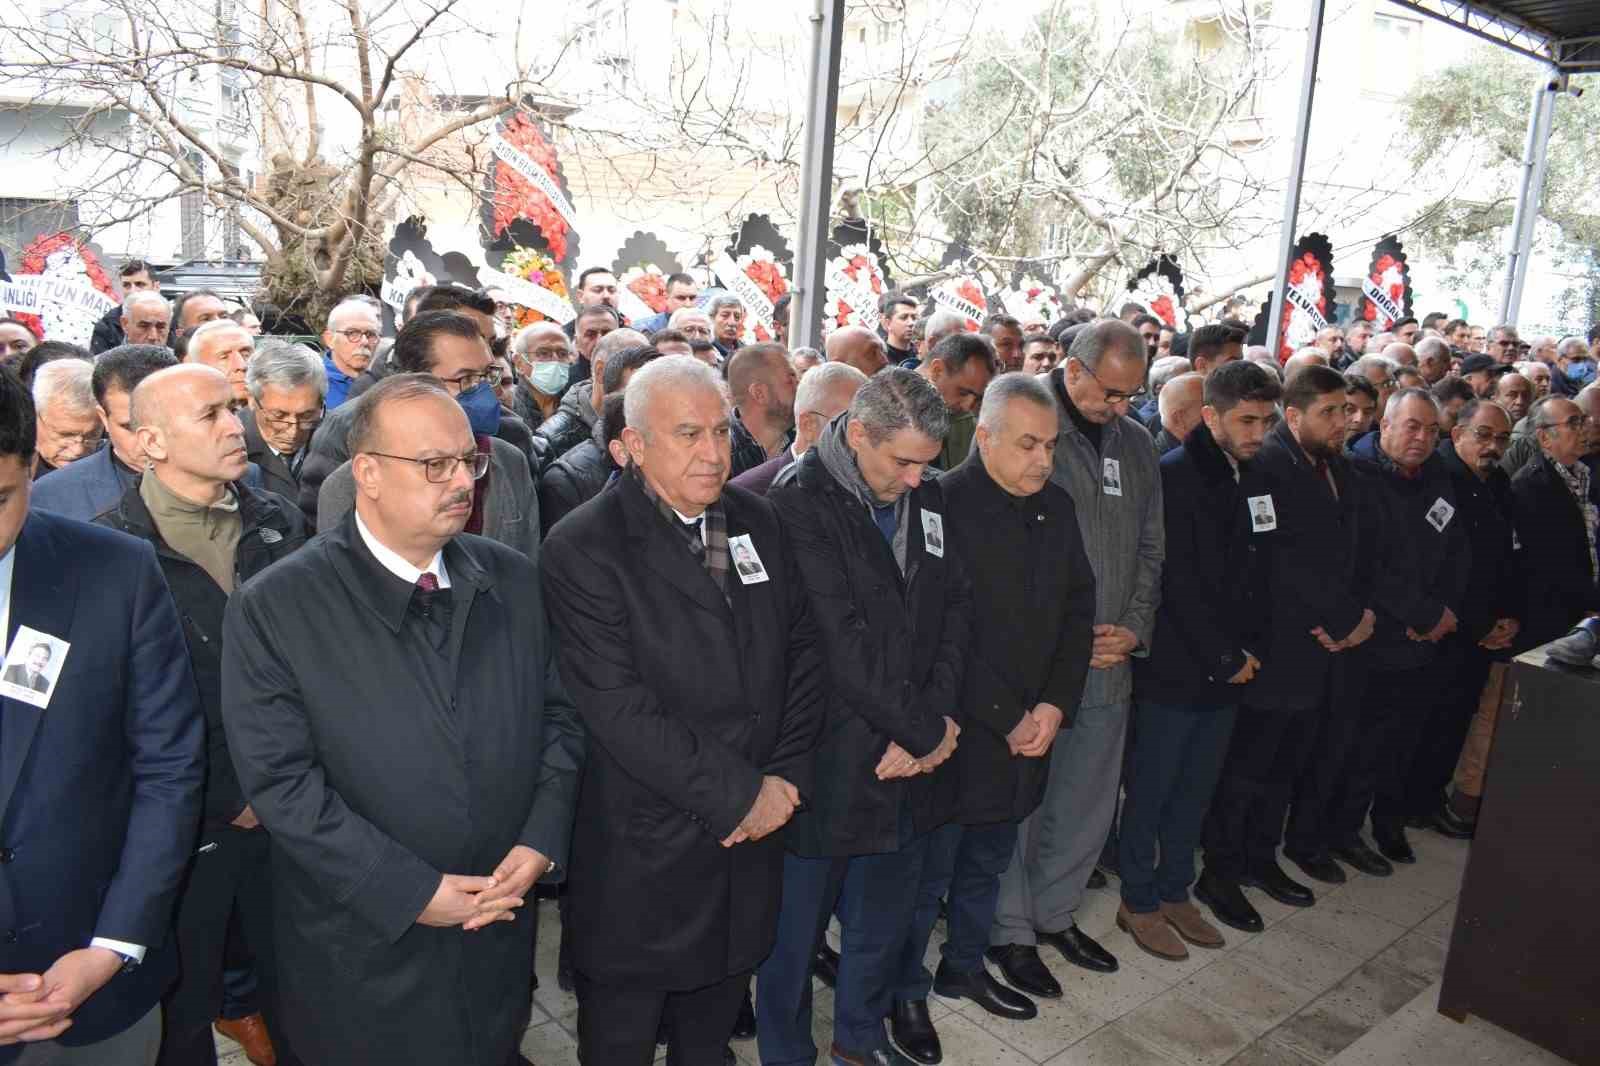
point(1180, 404)
point(211, 532)
point(762, 383)
point(1400, 354)
point(225, 346)
point(1303, 358)
point(859, 347)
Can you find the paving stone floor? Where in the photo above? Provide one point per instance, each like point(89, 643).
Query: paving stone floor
point(1353, 981)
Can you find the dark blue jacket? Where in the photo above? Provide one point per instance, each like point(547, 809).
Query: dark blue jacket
point(100, 791)
point(1420, 567)
point(1208, 596)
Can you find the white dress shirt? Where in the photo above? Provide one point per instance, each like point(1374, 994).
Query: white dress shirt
point(397, 566)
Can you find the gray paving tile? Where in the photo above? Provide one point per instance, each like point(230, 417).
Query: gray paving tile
point(1339, 924)
point(1322, 1030)
point(1268, 1052)
point(1399, 898)
point(1186, 1030)
point(1252, 994)
point(1298, 958)
point(1417, 954)
point(1111, 1047)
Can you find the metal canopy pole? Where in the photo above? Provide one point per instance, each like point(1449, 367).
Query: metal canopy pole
point(816, 174)
point(1297, 171)
point(1541, 117)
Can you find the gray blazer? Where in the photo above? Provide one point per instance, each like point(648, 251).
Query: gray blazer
point(1123, 535)
point(510, 515)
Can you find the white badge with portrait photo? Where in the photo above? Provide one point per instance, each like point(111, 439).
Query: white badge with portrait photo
point(32, 665)
point(746, 562)
point(1111, 477)
point(1440, 513)
point(933, 534)
point(1263, 516)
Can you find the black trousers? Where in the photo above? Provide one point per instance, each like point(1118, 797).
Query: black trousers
point(1317, 821)
point(1397, 707)
point(1266, 756)
point(1462, 675)
point(617, 1024)
point(233, 876)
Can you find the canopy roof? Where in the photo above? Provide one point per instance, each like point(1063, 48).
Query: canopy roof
point(1565, 33)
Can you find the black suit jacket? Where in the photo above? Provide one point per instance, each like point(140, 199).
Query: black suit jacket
point(1555, 552)
point(275, 473)
point(689, 699)
point(1318, 566)
point(99, 792)
point(376, 774)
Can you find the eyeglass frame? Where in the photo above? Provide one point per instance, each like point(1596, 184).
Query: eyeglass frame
point(479, 460)
point(297, 421)
point(1577, 423)
point(367, 335)
point(1111, 395)
point(488, 375)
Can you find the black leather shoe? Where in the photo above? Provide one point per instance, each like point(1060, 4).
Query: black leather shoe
point(1096, 879)
point(1227, 903)
point(912, 1033)
point(1391, 841)
point(1080, 949)
point(1356, 853)
point(826, 965)
point(1447, 822)
point(745, 1027)
point(1280, 886)
point(1319, 867)
point(985, 991)
point(1025, 971)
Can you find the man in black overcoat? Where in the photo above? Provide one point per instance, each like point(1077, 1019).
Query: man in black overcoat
point(1032, 620)
point(699, 683)
point(397, 724)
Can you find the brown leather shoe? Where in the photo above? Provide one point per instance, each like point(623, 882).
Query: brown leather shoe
point(1186, 918)
point(1151, 932)
point(250, 1033)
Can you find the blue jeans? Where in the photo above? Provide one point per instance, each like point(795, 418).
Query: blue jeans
point(875, 906)
point(965, 862)
point(1177, 757)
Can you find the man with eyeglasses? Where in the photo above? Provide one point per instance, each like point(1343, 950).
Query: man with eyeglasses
point(450, 348)
point(542, 357)
point(288, 389)
point(1422, 561)
point(1504, 345)
point(1491, 612)
point(351, 337)
point(212, 532)
point(1107, 462)
point(1556, 514)
point(69, 427)
point(397, 724)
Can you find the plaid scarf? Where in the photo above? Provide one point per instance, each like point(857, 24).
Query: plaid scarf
point(712, 550)
point(1577, 480)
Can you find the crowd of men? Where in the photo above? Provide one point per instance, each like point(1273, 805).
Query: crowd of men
point(723, 643)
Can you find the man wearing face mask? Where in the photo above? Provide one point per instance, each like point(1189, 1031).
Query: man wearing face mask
point(542, 357)
point(450, 348)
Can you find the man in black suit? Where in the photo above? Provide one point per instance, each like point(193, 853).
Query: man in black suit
point(894, 616)
point(417, 784)
point(30, 674)
point(676, 868)
point(1555, 515)
point(288, 390)
point(99, 790)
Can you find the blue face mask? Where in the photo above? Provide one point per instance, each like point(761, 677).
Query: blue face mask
point(482, 408)
point(1580, 373)
point(550, 378)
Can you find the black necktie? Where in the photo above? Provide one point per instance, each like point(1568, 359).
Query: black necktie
point(692, 530)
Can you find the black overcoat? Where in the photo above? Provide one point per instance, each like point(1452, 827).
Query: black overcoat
point(1562, 586)
point(895, 649)
point(1032, 629)
point(373, 788)
point(688, 700)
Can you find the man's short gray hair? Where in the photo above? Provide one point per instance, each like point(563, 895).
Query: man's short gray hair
point(1165, 402)
point(1367, 362)
point(282, 364)
point(721, 300)
point(1402, 395)
point(1166, 368)
point(525, 335)
point(616, 341)
point(1096, 338)
point(66, 382)
point(941, 324)
point(1571, 344)
point(1005, 388)
point(896, 398)
point(143, 296)
point(821, 380)
point(1431, 347)
point(684, 312)
point(666, 374)
point(364, 304)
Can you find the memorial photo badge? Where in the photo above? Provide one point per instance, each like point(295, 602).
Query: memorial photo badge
point(32, 665)
point(746, 562)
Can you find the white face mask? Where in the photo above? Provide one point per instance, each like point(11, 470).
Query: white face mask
point(550, 378)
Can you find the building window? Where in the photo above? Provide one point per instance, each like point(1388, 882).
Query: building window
point(22, 221)
point(1392, 55)
point(191, 213)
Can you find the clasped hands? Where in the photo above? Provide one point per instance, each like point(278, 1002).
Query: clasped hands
point(1032, 737)
point(1356, 637)
point(474, 902)
point(40, 1006)
point(1112, 646)
point(897, 762)
point(1443, 628)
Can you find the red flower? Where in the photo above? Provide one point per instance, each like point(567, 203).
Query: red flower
point(515, 197)
point(652, 289)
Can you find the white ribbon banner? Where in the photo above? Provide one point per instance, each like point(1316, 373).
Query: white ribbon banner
point(632, 307)
point(38, 294)
point(1385, 303)
point(756, 305)
point(394, 292)
point(1299, 299)
point(862, 302)
point(516, 160)
point(525, 293)
point(948, 299)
